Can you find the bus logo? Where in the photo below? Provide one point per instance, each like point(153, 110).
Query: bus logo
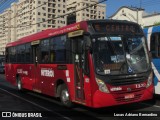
point(129, 89)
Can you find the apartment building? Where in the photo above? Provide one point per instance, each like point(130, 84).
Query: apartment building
point(27, 17)
point(5, 31)
point(86, 9)
point(35, 15)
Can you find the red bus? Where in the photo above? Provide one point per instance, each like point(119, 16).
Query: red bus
point(96, 63)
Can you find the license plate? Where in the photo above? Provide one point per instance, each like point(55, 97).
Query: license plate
point(129, 96)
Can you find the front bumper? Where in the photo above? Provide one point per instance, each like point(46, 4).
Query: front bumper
point(101, 99)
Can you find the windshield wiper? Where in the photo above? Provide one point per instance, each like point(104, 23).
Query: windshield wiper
point(136, 49)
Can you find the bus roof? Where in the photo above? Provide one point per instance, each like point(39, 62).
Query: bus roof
point(154, 29)
point(53, 32)
point(49, 33)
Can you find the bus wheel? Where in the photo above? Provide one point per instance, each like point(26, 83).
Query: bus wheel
point(19, 83)
point(64, 96)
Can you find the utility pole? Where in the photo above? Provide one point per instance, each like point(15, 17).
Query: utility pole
point(137, 14)
point(140, 4)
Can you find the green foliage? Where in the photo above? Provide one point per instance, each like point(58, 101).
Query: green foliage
point(156, 23)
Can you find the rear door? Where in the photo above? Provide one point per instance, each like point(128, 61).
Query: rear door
point(35, 68)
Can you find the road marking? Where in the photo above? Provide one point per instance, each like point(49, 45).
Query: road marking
point(36, 104)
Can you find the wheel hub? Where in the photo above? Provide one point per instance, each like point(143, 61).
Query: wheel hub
point(65, 96)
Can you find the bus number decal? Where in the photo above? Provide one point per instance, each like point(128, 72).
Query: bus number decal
point(25, 72)
point(140, 85)
point(47, 72)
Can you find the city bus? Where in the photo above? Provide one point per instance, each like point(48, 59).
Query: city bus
point(95, 63)
point(153, 40)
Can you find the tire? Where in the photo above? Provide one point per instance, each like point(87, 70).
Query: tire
point(65, 97)
point(19, 84)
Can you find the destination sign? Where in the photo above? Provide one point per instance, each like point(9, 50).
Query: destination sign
point(112, 28)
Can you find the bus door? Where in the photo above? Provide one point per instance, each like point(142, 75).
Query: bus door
point(35, 68)
point(77, 58)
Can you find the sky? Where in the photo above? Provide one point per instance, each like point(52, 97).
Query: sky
point(5, 4)
point(150, 6)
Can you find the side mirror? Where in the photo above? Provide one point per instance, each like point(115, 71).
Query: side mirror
point(90, 49)
point(87, 39)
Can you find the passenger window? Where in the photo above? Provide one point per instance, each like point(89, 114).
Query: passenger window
point(28, 55)
point(7, 56)
point(45, 51)
point(58, 49)
point(155, 45)
point(159, 45)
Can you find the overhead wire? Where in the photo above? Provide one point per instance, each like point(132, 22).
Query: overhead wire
point(28, 11)
point(17, 15)
point(61, 15)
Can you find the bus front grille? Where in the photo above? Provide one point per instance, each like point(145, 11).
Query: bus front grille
point(127, 81)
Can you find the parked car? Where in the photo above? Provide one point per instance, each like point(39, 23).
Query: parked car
point(2, 69)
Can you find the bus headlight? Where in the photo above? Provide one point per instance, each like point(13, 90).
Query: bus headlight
point(149, 81)
point(102, 86)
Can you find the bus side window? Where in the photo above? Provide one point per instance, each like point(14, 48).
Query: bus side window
point(28, 55)
point(45, 51)
point(58, 49)
point(52, 56)
point(6, 56)
point(45, 58)
point(155, 45)
point(152, 46)
point(159, 45)
point(159, 51)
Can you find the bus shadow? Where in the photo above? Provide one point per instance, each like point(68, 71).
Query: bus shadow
point(79, 112)
point(157, 97)
point(110, 111)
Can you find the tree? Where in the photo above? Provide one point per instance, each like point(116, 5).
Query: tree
point(156, 23)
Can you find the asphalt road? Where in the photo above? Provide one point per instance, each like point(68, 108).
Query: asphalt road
point(26, 103)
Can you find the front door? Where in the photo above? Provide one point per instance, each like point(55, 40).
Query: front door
point(77, 57)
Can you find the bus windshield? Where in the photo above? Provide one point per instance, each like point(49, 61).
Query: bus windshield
point(120, 54)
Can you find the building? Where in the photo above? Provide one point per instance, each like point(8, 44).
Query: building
point(31, 16)
point(35, 15)
point(5, 31)
point(137, 15)
point(86, 10)
point(151, 19)
point(22, 19)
